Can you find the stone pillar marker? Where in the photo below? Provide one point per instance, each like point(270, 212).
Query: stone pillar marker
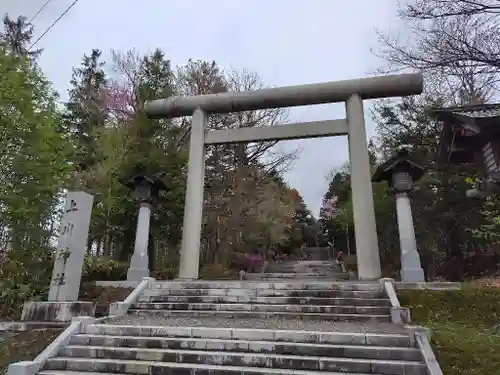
point(401, 173)
point(71, 247)
point(411, 269)
point(145, 190)
point(62, 304)
point(139, 263)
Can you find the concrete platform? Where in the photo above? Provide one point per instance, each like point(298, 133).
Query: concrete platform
point(56, 311)
point(431, 285)
point(21, 326)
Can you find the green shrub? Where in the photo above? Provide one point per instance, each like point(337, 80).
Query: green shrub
point(25, 276)
point(103, 269)
point(167, 273)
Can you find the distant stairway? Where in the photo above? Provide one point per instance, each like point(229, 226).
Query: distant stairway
point(301, 270)
point(318, 266)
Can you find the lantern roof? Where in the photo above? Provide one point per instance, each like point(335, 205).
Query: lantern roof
point(398, 163)
point(139, 178)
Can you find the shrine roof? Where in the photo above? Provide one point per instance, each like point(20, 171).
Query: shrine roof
point(477, 111)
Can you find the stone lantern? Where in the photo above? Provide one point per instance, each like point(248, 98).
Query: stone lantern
point(401, 173)
point(471, 135)
point(145, 190)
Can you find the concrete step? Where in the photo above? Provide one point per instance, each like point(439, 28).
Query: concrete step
point(253, 285)
point(294, 275)
point(265, 360)
point(81, 366)
point(283, 276)
point(224, 345)
point(297, 293)
point(254, 314)
point(334, 301)
point(247, 307)
point(304, 266)
point(310, 270)
point(291, 277)
point(247, 334)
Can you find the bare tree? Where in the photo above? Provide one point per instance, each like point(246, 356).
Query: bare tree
point(236, 177)
point(455, 43)
point(424, 9)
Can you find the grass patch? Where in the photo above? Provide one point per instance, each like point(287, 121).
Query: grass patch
point(464, 323)
point(24, 346)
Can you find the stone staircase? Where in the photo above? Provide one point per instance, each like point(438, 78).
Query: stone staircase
point(184, 350)
point(301, 270)
point(240, 327)
point(311, 300)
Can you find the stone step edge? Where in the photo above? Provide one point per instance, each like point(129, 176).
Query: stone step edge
point(259, 313)
point(257, 304)
point(284, 289)
point(333, 283)
point(239, 333)
point(262, 300)
point(175, 365)
point(290, 273)
point(371, 294)
point(237, 281)
point(247, 284)
point(298, 275)
point(284, 298)
point(244, 354)
point(269, 290)
point(240, 342)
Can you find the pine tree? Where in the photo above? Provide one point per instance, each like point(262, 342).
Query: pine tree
point(17, 36)
point(84, 108)
point(34, 157)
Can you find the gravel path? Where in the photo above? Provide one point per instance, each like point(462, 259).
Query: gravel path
point(260, 323)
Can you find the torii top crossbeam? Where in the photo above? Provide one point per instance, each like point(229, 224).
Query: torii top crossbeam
point(288, 96)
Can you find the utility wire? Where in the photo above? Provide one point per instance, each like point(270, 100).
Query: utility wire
point(53, 24)
point(40, 10)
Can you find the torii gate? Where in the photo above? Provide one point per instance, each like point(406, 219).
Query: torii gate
point(352, 92)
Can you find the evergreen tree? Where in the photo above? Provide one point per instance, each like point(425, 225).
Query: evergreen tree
point(84, 110)
point(34, 157)
point(16, 37)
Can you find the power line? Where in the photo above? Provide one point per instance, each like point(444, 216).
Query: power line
point(39, 10)
point(53, 24)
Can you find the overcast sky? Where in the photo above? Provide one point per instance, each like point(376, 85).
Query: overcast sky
point(286, 42)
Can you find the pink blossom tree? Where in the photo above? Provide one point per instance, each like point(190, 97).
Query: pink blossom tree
point(329, 209)
point(117, 100)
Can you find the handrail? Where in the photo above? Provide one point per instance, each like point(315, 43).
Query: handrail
point(121, 308)
point(399, 315)
point(430, 360)
point(388, 285)
point(78, 325)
